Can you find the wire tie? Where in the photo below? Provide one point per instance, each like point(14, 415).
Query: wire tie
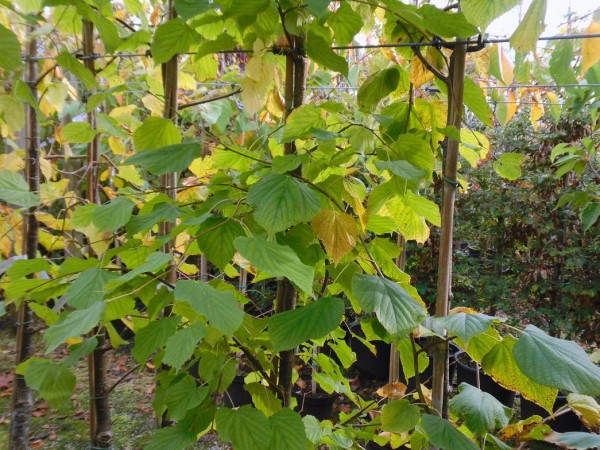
point(452, 183)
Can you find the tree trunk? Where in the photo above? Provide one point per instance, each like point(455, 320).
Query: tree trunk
point(22, 400)
point(295, 85)
point(101, 435)
point(455, 115)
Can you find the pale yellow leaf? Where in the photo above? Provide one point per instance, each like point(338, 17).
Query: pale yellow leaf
point(507, 67)
point(50, 242)
point(152, 103)
point(12, 161)
point(537, 110)
point(51, 191)
point(590, 48)
point(116, 145)
point(202, 167)
point(337, 231)
point(275, 103)
point(481, 59)
point(186, 82)
point(55, 223)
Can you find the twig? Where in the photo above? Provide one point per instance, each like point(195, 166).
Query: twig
point(208, 100)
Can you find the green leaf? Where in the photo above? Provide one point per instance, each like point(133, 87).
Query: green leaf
point(155, 133)
point(78, 351)
point(377, 86)
point(481, 411)
point(556, 362)
point(263, 398)
point(181, 345)
point(73, 65)
point(446, 24)
point(223, 42)
point(525, 37)
point(423, 207)
point(320, 8)
point(113, 215)
point(287, 431)
point(178, 437)
point(215, 238)
point(399, 416)
point(109, 34)
point(54, 382)
point(73, 324)
point(345, 23)
point(287, 163)
point(246, 7)
point(220, 308)
point(482, 12)
point(12, 112)
point(88, 288)
point(154, 262)
point(477, 103)
point(172, 158)
point(190, 8)
point(153, 336)
point(281, 201)
point(403, 169)
point(318, 48)
point(575, 439)
point(247, 428)
point(397, 311)
point(443, 435)
point(464, 325)
point(590, 214)
point(314, 321)
point(276, 260)
point(508, 165)
point(171, 38)
point(183, 396)
point(78, 133)
point(10, 56)
point(151, 214)
point(301, 122)
point(14, 190)
point(499, 362)
point(560, 63)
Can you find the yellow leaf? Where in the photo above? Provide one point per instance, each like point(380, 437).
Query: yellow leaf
point(12, 161)
point(62, 224)
point(130, 174)
point(419, 74)
point(73, 341)
point(463, 309)
point(52, 191)
point(116, 145)
point(352, 196)
point(537, 110)
point(337, 230)
point(258, 78)
point(186, 82)
point(188, 269)
point(507, 67)
point(152, 103)
point(519, 428)
point(512, 107)
point(481, 60)
point(275, 103)
point(590, 48)
point(409, 223)
point(202, 168)
point(51, 242)
point(394, 390)
point(47, 169)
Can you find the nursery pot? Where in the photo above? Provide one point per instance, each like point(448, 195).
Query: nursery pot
point(426, 376)
point(236, 395)
point(467, 374)
point(368, 364)
point(319, 405)
point(564, 423)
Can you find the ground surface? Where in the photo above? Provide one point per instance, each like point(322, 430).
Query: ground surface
point(67, 429)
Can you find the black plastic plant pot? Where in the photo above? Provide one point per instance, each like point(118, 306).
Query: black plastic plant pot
point(368, 364)
point(466, 374)
point(426, 376)
point(568, 421)
point(319, 405)
point(235, 395)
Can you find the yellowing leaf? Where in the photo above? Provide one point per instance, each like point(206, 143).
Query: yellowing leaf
point(58, 224)
point(587, 407)
point(186, 82)
point(202, 168)
point(12, 161)
point(537, 110)
point(275, 103)
point(51, 242)
point(419, 74)
point(506, 67)
point(154, 104)
point(512, 107)
point(337, 230)
point(482, 62)
point(393, 390)
point(52, 191)
point(116, 145)
point(590, 48)
point(258, 79)
point(518, 428)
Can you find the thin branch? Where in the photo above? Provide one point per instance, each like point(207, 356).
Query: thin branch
point(208, 100)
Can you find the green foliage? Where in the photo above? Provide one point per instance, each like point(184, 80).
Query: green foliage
point(14, 189)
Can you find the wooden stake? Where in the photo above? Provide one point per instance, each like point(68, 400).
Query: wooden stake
point(455, 115)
